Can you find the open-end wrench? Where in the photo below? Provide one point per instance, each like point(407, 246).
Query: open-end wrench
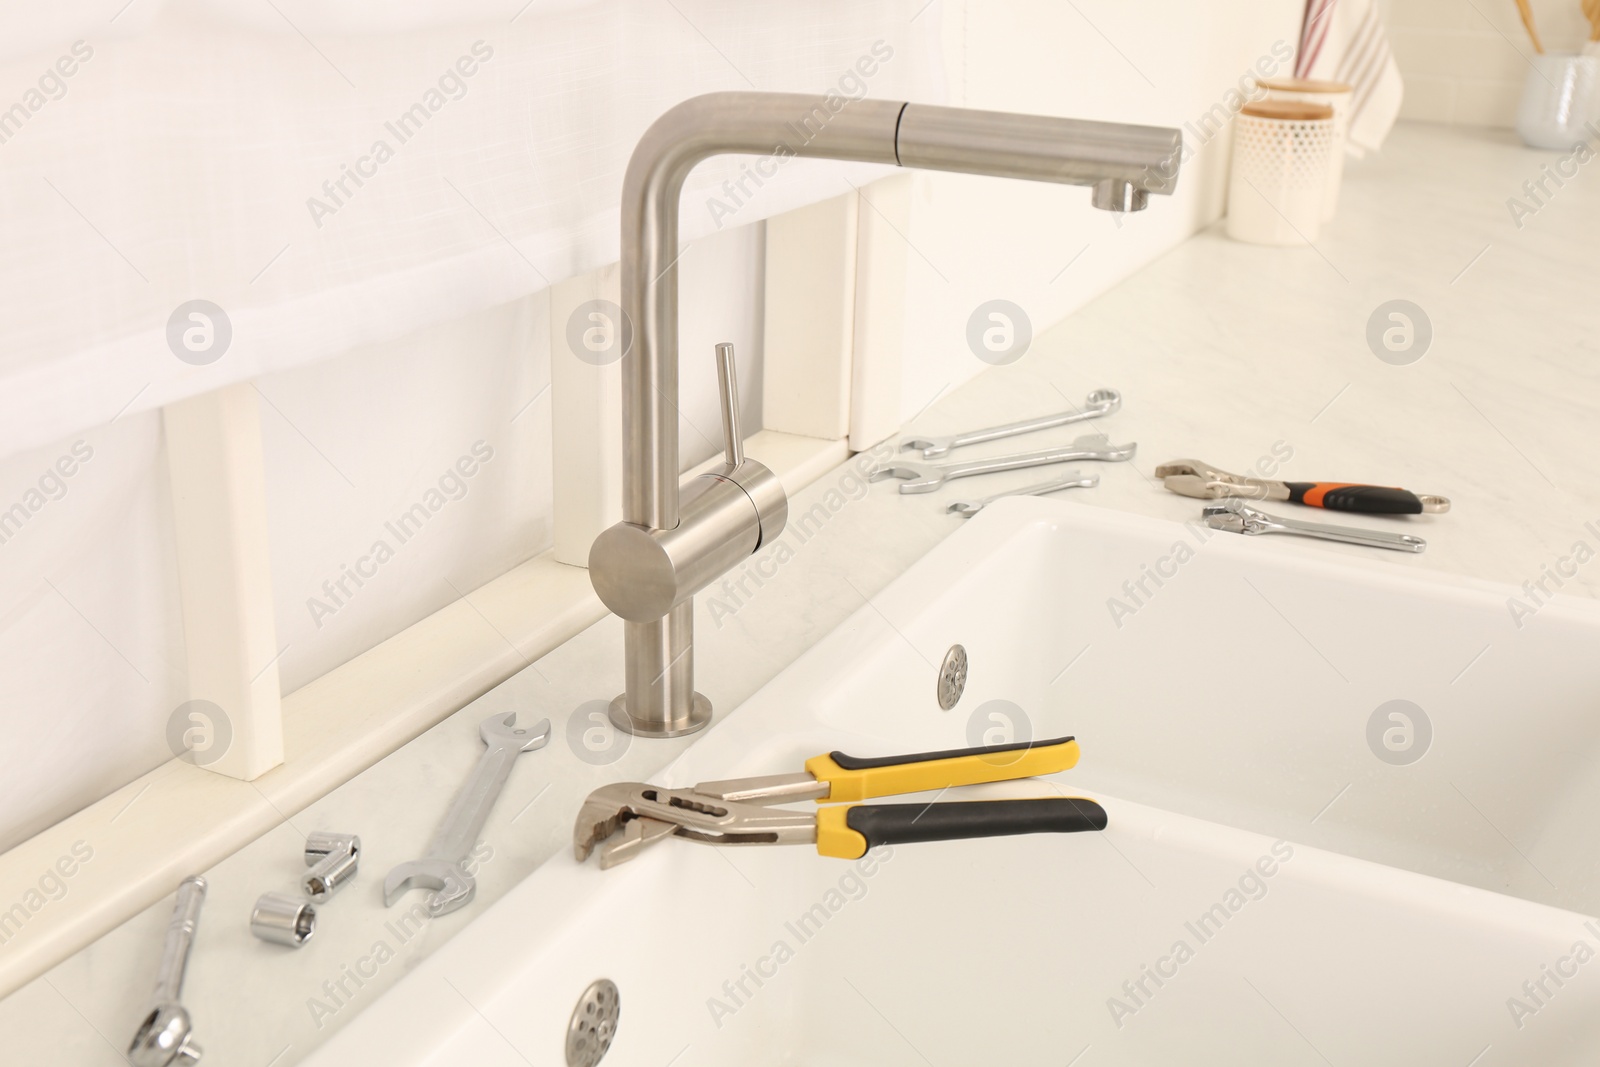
point(440, 868)
point(1071, 480)
point(1099, 403)
point(926, 477)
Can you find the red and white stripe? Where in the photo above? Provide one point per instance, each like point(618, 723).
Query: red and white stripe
point(1313, 35)
point(1345, 42)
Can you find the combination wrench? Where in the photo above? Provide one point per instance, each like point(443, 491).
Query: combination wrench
point(1071, 480)
point(1098, 404)
point(926, 477)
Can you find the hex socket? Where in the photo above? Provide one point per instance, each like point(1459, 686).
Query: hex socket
point(283, 920)
point(333, 859)
point(322, 843)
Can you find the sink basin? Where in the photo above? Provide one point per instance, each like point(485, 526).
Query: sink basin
point(1297, 868)
point(1243, 688)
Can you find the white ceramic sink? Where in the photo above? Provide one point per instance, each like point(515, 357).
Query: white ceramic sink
point(1361, 909)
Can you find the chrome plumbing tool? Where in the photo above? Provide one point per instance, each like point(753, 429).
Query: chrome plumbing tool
point(678, 537)
point(283, 920)
point(1236, 516)
point(440, 869)
point(1191, 477)
point(333, 859)
point(1099, 403)
point(926, 477)
point(625, 818)
point(1071, 480)
point(165, 1036)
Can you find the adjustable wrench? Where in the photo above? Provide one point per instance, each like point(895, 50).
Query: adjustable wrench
point(440, 868)
point(1099, 403)
point(926, 477)
point(1192, 477)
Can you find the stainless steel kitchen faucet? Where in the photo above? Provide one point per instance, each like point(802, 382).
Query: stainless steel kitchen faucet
point(672, 541)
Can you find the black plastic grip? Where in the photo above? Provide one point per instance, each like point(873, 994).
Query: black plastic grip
point(860, 763)
point(1365, 499)
point(895, 824)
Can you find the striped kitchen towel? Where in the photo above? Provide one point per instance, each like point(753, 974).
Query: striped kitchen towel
point(1344, 41)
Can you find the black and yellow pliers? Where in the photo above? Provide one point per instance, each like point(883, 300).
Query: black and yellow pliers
point(629, 816)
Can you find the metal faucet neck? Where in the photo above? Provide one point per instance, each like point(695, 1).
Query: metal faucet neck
point(1123, 164)
point(646, 568)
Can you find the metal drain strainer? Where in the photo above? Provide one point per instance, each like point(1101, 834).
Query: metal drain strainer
point(593, 1024)
point(952, 677)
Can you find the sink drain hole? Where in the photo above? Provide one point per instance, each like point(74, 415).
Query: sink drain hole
point(593, 1024)
point(952, 677)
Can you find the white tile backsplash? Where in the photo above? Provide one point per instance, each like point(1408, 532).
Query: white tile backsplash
point(1464, 61)
point(1430, 14)
point(1430, 99)
point(1487, 102)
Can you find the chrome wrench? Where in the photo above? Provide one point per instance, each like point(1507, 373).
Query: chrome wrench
point(166, 1036)
point(1071, 480)
point(441, 868)
point(1099, 403)
point(1235, 516)
point(926, 477)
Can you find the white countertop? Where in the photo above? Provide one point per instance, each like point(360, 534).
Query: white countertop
point(1222, 352)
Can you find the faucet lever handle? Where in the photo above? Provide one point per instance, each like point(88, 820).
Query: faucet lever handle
point(728, 389)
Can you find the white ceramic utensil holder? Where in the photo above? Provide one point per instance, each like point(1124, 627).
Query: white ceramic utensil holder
point(1336, 95)
point(1278, 186)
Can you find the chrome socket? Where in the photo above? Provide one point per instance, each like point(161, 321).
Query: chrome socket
point(333, 859)
point(283, 920)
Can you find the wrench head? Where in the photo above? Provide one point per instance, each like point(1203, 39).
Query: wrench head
point(501, 730)
point(930, 447)
point(163, 1039)
point(608, 819)
point(1195, 468)
point(453, 888)
point(1193, 485)
point(1103, 401)
point(914, 477)
point(1235, 516)
point(1106, 451)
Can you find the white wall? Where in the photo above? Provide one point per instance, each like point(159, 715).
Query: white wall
point(354, 443)
point(1465, 62)
point(91, 636)
point(719, 299)
point(90, 633)
point(1156, 62)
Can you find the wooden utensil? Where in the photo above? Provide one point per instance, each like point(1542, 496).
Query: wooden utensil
point(1526, 11)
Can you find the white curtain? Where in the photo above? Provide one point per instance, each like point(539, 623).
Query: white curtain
point(170, 156)
point(331, 175)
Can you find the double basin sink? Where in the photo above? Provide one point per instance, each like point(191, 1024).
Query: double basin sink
point(1351, 813)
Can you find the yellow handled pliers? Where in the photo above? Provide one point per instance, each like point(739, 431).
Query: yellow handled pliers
point(629, 816)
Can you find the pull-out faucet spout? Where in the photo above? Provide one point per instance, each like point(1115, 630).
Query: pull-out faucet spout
point(671, 544)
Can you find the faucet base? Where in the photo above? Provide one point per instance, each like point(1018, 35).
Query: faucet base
point(698, 718)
